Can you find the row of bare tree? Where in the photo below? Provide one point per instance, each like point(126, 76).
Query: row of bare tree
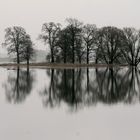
point(78, 43)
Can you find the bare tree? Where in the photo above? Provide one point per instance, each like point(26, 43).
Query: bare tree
point(13, 41)
point(110, 41)
point(64, 44)
point(27, 49)
point(89, 37)
point(50, 35)
point(131, 51)
point(74, 28)
point(80, 49)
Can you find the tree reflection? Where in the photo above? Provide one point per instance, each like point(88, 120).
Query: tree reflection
point(132, 89)
point(62, 87)
point(18, 85)
point(49, 96)
point(110, 88)
point(87, 87)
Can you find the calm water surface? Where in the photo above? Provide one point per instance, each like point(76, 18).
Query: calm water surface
point(70, 104)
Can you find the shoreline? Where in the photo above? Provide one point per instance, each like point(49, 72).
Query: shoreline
point(62, 65)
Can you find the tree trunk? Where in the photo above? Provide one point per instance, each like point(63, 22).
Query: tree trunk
point(111, 61)
point(96, 61)
point(18, 61)
point(27, 63)
point(73, 56)
point(52, 56)
point(73, 49)
point(80, 60)
point(65, 55)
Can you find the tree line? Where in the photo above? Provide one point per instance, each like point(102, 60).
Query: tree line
point(78, 43)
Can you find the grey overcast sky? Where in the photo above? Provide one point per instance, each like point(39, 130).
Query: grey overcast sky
point(31, 14)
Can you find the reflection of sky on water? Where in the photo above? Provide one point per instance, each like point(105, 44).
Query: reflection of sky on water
point(72, 119)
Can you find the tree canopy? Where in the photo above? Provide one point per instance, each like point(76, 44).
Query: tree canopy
point(77, 42)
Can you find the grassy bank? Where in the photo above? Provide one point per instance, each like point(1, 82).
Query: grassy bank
point(59, 65)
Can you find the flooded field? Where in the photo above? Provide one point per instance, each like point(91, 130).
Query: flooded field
point(70, 104)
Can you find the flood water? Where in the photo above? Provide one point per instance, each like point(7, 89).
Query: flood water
point(70, 104)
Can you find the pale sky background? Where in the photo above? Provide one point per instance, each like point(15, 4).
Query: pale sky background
point(31, 14)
